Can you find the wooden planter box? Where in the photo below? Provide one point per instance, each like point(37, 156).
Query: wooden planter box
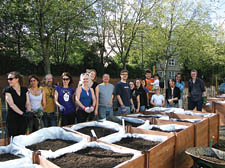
point(161, 155)
point(211, 109)
point(184, 140)
point(139, 162)
point(201, 133)
point(214, 124)
point(201, 129)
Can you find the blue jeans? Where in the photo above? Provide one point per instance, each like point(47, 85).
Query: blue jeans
point(119, 112)
point(172, 105)
point(49, 119)
point(105, 112)
point(142, 108)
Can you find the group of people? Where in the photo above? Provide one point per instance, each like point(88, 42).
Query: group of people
point(46, 104)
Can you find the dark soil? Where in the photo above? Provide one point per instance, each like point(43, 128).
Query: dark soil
point(100, 132)
point(221, 144)
point(157, 129)
point(51, 145)
point(91, 158)
point(6, 157)
point(132, 124)
point(137, 143)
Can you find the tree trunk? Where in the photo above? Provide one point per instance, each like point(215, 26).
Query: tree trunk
point(165, 75)
point(47, 64)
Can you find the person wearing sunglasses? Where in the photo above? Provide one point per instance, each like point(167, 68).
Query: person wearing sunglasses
point(18, 103)
point(37, 101)
point(64, 99)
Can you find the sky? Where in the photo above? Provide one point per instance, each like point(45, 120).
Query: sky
point(218, 16)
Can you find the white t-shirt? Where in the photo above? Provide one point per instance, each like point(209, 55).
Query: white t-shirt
point(155, 83)
point(157, 99)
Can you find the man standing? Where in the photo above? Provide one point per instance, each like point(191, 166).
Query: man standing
point(49, 116)
point(104, 95)
point(123, 95)
point(196, 88)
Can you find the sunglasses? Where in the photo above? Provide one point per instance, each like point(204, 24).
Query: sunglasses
point(65, 79)
point(10, 79)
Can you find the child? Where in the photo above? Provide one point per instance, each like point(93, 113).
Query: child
point(156, 81)
point(157, 99)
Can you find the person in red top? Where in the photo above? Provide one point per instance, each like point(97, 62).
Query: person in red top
point(149, 80)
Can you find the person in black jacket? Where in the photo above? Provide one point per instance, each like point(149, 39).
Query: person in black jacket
point(196, 88)
point(172, 94)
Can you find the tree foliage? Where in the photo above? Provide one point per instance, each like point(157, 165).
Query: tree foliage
point(110, 35)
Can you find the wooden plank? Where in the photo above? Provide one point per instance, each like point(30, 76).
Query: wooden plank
point(157, 121)
point(136, 163)
point(202, 133)
point(162, 155)
point(214, 128)
point(184, 140)
point(47, 164)
point(220, 109)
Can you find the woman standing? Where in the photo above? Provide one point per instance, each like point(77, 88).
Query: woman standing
point(64, 99)
point(85, 99)
point(172, 94)
point(18, 103)
point(93, 82)
point(143, 95)
point(37, 101)
point(135, 97)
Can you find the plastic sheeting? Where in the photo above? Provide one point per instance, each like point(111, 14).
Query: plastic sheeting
point(179, 111)
point(102, 124)
point(132, 120)
point(159, 116)
point(25, 162)
point(166, 127)
point(20, 142)
point(19, 163)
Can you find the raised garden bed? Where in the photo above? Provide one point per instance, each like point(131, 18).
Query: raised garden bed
point(91, 157)
point(52, 145)
point(137, 143)
point(99, 131)
point(7, 157)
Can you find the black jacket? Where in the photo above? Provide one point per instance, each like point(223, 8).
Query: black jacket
point(176, 93)
point(196, 89)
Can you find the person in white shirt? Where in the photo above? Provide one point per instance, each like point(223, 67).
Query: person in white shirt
point(157, 99)
point(155, 84)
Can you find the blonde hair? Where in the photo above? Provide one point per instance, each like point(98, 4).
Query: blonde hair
point(82, 77)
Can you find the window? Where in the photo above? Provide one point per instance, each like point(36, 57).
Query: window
point(172, 62)
point(172, 75)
